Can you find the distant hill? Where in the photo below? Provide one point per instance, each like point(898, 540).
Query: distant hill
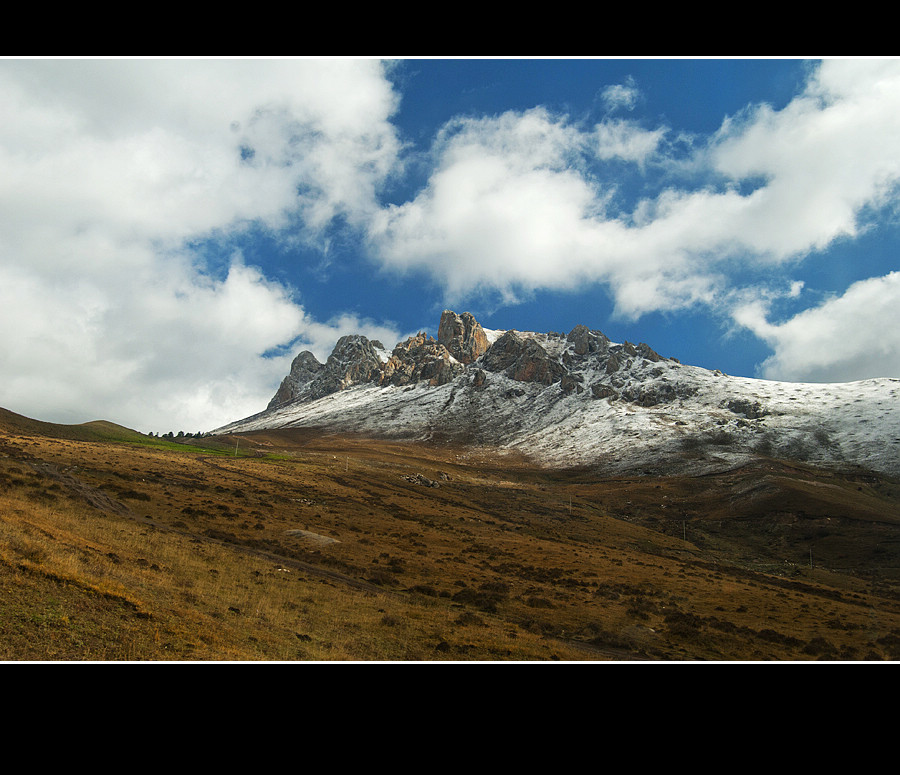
point(96, 430)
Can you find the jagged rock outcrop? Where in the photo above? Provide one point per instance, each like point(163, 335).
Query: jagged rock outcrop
point(463, 336)
point(463, 345)
point(354, 360)
point(523, 360)
point(584, 341)
point(304, 369)
point(645, 351)
point(420, 359)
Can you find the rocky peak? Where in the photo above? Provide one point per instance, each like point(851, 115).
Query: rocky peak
point(304, 369)
point(354, 352)
point(462, 346)
point(353, 360)
point(463, 336)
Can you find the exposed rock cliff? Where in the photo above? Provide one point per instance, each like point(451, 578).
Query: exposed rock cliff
point(523, 360)
point(304, 370)
point(420, 359)
point(463, 336)
point(462, 345)
point(354, 360)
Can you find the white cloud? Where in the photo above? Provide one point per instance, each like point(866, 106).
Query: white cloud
point(526, 201)
point(627, 141)
point(503, 207)
point(852, 336)
point(107, 168)
point(154, 147)
point(512, 205)
point(621, 95)
point(827, 156)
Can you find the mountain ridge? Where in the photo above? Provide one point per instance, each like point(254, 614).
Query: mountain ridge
point(579, 399)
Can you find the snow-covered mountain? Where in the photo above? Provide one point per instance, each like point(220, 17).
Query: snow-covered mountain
point(579, 399)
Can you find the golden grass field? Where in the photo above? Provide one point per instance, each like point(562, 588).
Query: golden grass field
point(284, 546)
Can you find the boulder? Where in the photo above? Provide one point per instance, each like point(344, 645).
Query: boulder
point(572, 382)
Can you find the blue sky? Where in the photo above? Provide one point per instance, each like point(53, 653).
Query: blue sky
point(174, 231)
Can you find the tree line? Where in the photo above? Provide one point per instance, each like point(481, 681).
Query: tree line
point(176, 436)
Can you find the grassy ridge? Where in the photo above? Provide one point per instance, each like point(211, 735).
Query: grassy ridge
point(98, 430)
point(105, 431)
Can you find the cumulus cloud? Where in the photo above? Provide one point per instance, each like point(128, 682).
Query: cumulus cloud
point(848, 337)
point(109, 169)
point(823, 160)
point(515, 203)
point(627, 141)
point(530, 200)
point(503, 208)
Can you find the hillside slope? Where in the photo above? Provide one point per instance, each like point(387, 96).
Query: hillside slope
point(299, 545)
point(96, 430)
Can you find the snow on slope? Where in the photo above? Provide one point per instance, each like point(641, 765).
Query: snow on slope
point(649, 415)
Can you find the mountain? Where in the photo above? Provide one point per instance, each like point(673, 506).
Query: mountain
point(578, 399)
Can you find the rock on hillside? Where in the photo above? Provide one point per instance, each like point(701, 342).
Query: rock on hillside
point(579, 399)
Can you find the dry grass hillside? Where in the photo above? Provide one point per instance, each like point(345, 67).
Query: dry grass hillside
point(301, 546)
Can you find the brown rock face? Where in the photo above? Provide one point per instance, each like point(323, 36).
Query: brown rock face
point(462, 335)
point(585, 341)
point(523, 360)
point(420, 358)
point(462, 342)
